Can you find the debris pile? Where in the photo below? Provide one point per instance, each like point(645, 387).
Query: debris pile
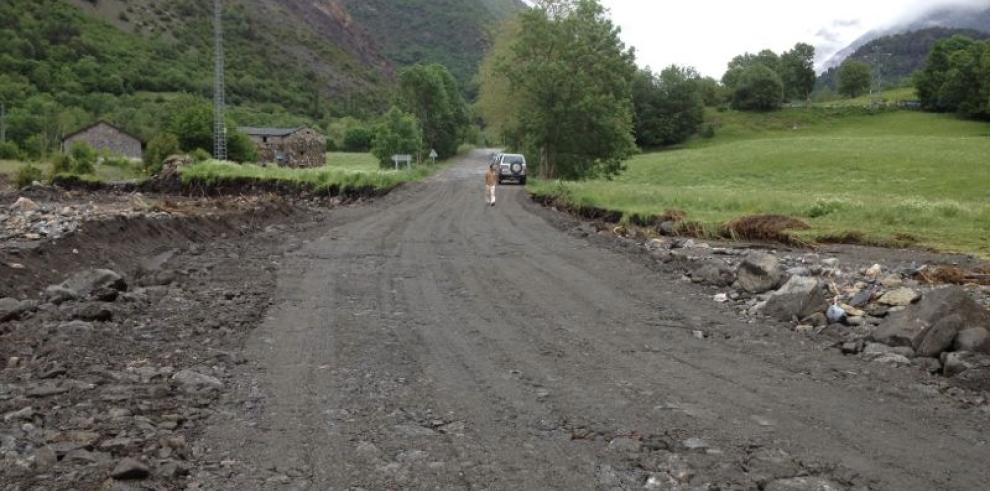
point(895, 316)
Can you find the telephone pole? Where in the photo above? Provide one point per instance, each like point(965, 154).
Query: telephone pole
point(219, 105)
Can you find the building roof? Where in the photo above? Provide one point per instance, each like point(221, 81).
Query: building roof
point(268, 131)
point(94, 125)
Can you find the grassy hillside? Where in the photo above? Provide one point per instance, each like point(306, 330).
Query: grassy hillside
point(898, 177)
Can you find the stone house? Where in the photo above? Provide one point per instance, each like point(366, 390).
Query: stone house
point(107, 137)
point(289, 147)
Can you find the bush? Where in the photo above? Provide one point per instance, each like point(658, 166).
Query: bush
point(240, 148)
point(159, 148)
point(200, 155)
point(399, 133)
point(759, 89)
point(62, 164)
point(707, 130)
point(118, 162)
point(83, 158)
point(27, 175)
point(10, 151)
point(357, 139)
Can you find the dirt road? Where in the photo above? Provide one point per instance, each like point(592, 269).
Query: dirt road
point(428, 341)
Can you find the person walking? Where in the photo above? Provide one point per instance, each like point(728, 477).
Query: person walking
point(491, 180)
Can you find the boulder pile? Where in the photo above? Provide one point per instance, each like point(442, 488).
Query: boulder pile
point(884, 315)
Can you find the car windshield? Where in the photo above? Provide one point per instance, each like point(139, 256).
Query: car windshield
point(512, 159)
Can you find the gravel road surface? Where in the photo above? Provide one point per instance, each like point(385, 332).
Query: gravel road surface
point(427, 341)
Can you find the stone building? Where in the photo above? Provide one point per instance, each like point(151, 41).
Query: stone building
point(105, 136)
point(289, 147)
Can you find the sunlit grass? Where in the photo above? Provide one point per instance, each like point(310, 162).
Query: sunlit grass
point(900, 174)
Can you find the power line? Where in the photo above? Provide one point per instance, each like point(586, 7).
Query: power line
point(219, 105)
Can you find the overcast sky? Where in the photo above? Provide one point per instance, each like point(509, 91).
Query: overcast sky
point(706, 34)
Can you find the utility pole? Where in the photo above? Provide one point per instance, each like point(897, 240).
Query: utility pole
point(219, 104)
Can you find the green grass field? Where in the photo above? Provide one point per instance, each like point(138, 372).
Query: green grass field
point(346, 170)
point(103, 172)
point(892, 175)
point(892, 96)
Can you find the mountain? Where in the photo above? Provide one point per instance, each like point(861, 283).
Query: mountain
point(65, 63)
point(896, 57)
point(965, 18)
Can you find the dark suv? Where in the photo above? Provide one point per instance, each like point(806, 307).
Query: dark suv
point(512, 167)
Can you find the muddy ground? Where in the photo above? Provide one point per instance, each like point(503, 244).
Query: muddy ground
point(427, 341)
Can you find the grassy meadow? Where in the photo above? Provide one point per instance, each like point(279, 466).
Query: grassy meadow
point(103, 172)
point(346, 170)
point(895, 177)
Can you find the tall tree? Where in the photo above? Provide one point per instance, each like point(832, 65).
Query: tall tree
point(569, 76)
point(669, 107)
point(956, 77)
point(759, 89)
point(431, 94)
point(855, 78)
point(797, 71)
point(398, 133)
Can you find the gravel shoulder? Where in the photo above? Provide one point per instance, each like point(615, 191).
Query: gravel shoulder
point(426, 341)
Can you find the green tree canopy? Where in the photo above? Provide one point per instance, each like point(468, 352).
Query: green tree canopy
point(431, 94)
point(855, 78)
point(758, 89)
point(397, 133)
point(797, 71)
point(567, 89)
point(956, 78)
point(669, 107)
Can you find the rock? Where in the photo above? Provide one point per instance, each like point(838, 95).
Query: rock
point(799, 271)
point(128, 469)
point(892, 359)
point(800, 297)
point(759, 273)
point(930, 365)
point(12, 309)
point(58, 294)
point(835, 314)
point(24, 204)
point(94, 313)
point(721, 298)
point(714, 273)
point(75, 328)
point(861, 298)
point(803, 484)
point(23, 414)
point(45, 458)
point(830, 262)
point(900, 297)
point(913, 325)
point(817, 319)
point(86, 282)
point(625, 445)
point(892, 282)
point(695, 443)
point(940, 336)
point(960, 361)
point(975, 339)
point(874, 271)
point(668, 228)
point(189, 379)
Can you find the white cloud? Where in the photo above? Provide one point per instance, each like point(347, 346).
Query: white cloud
point(706, 34)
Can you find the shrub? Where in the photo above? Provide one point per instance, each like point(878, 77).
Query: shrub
point(760, 89)
point(399, 133)
point(84, 156)
point(357, 139)
point(10, 151)
point(707, 130)
point(62, 164)
point(240, 148)
point(200, 155)
point(27, 175)
point(159, 149)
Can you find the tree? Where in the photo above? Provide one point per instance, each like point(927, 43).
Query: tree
point(669, 107)
point(357, 139)
point(854, 78)
point(568, 89)
point(956, 78)
point(431, 94)
point(193, 126)
point(758, 89)
point(398, 133)
point(240, 148)
point(160, 148)
point(797, 71)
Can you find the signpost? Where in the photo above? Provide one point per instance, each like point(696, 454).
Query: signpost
point(399, 159)
point(434, 155)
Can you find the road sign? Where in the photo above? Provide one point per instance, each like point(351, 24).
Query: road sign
point(399, 159)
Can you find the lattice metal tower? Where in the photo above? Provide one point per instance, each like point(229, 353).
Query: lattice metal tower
point(219, 104)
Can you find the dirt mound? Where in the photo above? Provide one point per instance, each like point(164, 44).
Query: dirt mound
point(122, 243)
point(770, 228)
